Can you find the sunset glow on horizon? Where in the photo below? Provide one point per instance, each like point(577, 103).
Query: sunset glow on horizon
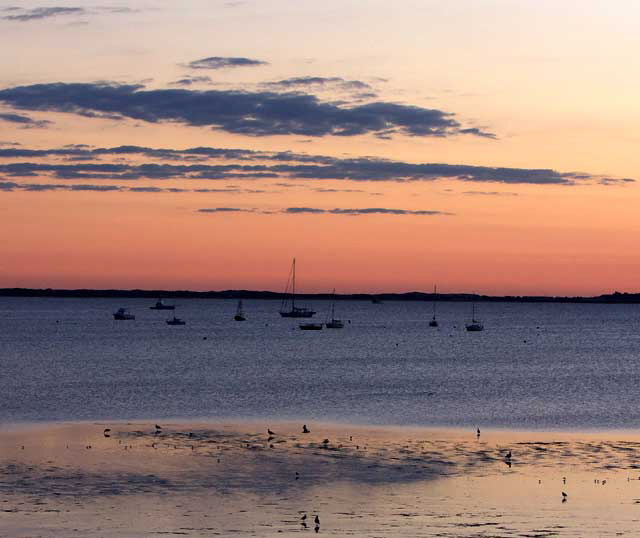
point(483, 146)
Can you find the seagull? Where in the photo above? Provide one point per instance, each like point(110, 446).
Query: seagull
point(316, 520)
point(478, 433)
point(158, 428)
point(270, 432)
point(106, 432)
point(564, 497)
point(325, 442)
point(305, 429)
point(304, 518)
point(508, 456)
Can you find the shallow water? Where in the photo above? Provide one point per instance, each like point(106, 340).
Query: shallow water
point(536, 366)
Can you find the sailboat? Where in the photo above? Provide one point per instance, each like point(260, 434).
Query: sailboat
point(334, 323)
point(288, 309)
point(475, 325)
point(434, 321)
point(240, 313)
point(176, 321)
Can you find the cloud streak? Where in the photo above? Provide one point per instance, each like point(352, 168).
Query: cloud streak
point(25, 121)
point(26, 15)
point(223, 62)
point(245, 164)
point(300, 82)
point(319, 211)
point(239, 112)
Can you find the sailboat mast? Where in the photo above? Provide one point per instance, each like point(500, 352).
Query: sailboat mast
point(293, 294)
point(333, 305)
point(434, 301)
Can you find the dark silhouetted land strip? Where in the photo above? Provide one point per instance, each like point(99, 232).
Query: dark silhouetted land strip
point(613, 298)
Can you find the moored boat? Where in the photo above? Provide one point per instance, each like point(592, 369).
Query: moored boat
point(434, 321)
point(121, 315)
point(288, 308)
point(334, 323)
point(176, 321)
point(161, 305)
point(475, 325)
point(240, 313)
point(311, 326)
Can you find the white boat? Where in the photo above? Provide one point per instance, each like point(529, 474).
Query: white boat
point(475, 325)
point(121, 314)
point(288, 308)
point(334, 323)
point(434, 321)
point(240, 313)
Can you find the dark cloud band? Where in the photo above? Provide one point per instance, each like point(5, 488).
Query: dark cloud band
point(230, 163)
point(240, 112)
point(320, 211)
point(25, 15)
point(222, 62)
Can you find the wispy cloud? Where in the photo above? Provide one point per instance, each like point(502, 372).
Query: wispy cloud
point(20, 14)
point(239, 112)
point(225, 210)
point(25, 121)
point(244, 164)
point(223, 62)
point(363, 211)
point(191, 80)
point(320, 211)
point(300, 82)
point(25, 15)
point(489, 193)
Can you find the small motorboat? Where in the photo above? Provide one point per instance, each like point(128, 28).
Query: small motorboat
point(240, 313)
point(161, 305)
point(311, 326)
point(121, 314)
point(176, 321)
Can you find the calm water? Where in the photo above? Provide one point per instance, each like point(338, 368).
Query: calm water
point(535, 366)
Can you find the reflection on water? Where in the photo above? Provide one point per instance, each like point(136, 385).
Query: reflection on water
point(535, 365)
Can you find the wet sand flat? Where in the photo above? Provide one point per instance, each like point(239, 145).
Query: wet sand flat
point(225, 479)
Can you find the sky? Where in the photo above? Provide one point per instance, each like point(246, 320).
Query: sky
point(480, 146)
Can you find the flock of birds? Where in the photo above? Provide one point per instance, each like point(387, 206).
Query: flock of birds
point(508, 457)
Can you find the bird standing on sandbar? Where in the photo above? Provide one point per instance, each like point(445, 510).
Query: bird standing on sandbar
point(270, 432)
point(305, 429)
point(316, 520)
point(564, 497)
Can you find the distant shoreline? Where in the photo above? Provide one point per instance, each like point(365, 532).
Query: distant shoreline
point(613, 298)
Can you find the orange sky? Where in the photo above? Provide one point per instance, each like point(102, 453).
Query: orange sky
point(555, 86)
